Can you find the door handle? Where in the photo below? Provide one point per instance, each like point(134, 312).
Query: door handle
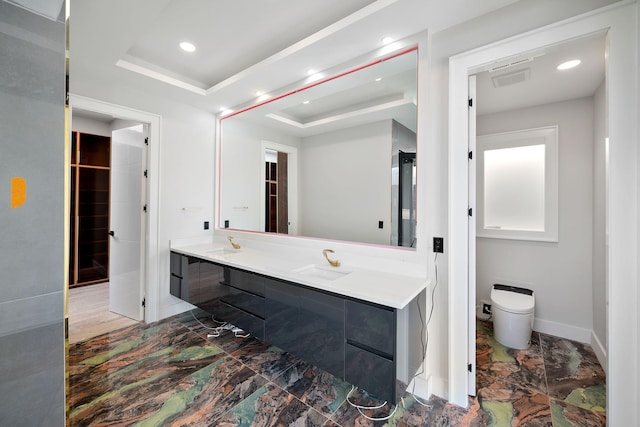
point(112, 233)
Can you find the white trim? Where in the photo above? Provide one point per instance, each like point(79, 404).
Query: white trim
point(152, 291)
point(600, 351)
point(562, 330)
point(620, 20)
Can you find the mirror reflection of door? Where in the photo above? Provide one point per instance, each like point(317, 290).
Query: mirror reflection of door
point(276, 192)
point(406, 199)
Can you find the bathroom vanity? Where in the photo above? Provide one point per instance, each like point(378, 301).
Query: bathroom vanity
point(349, 322)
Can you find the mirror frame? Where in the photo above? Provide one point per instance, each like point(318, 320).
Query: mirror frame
point(417, 43)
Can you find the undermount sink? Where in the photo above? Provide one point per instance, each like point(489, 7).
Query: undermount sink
point(222, 251)
point(322, 272)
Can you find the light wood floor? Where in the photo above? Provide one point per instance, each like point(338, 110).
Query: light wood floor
point(89, 313)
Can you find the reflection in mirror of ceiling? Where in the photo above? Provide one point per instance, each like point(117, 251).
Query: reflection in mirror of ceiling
point(383, 90)
point(207, 24)
point(536, 81)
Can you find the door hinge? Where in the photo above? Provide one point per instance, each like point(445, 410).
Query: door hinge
point(470, 158)
point(144, 208)
point(470, 102)
point(470, 212)
point(144, 302)
point(146, 173)
point(470, 367)
point(146, 141)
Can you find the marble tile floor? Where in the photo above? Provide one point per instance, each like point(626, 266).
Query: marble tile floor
point(169, 374)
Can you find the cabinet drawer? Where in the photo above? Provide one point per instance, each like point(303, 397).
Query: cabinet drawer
point(246, 281)
point(248, 302)
point(371, 372)
point(371, 326)
point(176, 264)
point(247, 322)
point(175, 286)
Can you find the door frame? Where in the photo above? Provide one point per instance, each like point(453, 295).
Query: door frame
point(151, 289)
point(619, 21)
point(292, 185)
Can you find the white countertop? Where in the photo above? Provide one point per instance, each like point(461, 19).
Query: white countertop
point(386, 288)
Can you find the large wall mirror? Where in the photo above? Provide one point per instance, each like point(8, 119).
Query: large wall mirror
point(335, 159)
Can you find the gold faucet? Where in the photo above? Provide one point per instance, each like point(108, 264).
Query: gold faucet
point(335, 263)
point(235, 245)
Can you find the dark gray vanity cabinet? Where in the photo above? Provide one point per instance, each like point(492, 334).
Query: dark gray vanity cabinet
point(196, 281)
point(371, 347)
point(307, 323)
point(352, 339)
point(242, 302)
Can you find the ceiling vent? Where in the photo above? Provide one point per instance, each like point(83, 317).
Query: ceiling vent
point(511, 78)
point(509, 64)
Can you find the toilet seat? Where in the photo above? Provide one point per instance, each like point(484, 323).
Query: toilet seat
point(512, 302)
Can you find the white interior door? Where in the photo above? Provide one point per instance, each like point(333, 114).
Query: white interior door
point(472, 237)
point(127, 222)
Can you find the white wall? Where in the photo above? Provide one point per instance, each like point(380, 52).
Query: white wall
point(345, 184)
point(92, 126)
point(242, 154)
point(559, 273)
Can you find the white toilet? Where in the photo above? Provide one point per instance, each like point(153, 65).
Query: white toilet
point(512, 309)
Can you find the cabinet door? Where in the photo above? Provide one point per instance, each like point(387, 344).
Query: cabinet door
point(246, 281)
point(321, 330)
point(371, 372)
point(209, 287)
point(190, 280)
point(372, 326)
point(282, 315)
point(246, 301)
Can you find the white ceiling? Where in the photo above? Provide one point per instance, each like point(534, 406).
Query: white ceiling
point(544, 83)
point(244, 46)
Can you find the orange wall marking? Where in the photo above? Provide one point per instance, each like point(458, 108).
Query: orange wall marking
point(18, 192)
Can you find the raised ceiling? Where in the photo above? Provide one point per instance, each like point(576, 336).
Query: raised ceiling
point(243, 46)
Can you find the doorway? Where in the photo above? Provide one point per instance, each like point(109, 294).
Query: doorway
point(621, 213)
point(108, 192)
point(279, 188)
point(532, 156)
point(147, 128)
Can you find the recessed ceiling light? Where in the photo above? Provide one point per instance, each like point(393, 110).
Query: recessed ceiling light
point(262, 96)
point(387, 40)
point(314, 77)
point(379, 79)
point(568, 64)
point(187, 47)
point(306, 102)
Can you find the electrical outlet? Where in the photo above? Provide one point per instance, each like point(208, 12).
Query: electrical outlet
point(438, 244)
point(206, 225)
point(486, 308)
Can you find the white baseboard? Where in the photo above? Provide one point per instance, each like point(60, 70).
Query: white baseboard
point(173, 309)
point(562, 330)
point(600, 351)
point(421, 387)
